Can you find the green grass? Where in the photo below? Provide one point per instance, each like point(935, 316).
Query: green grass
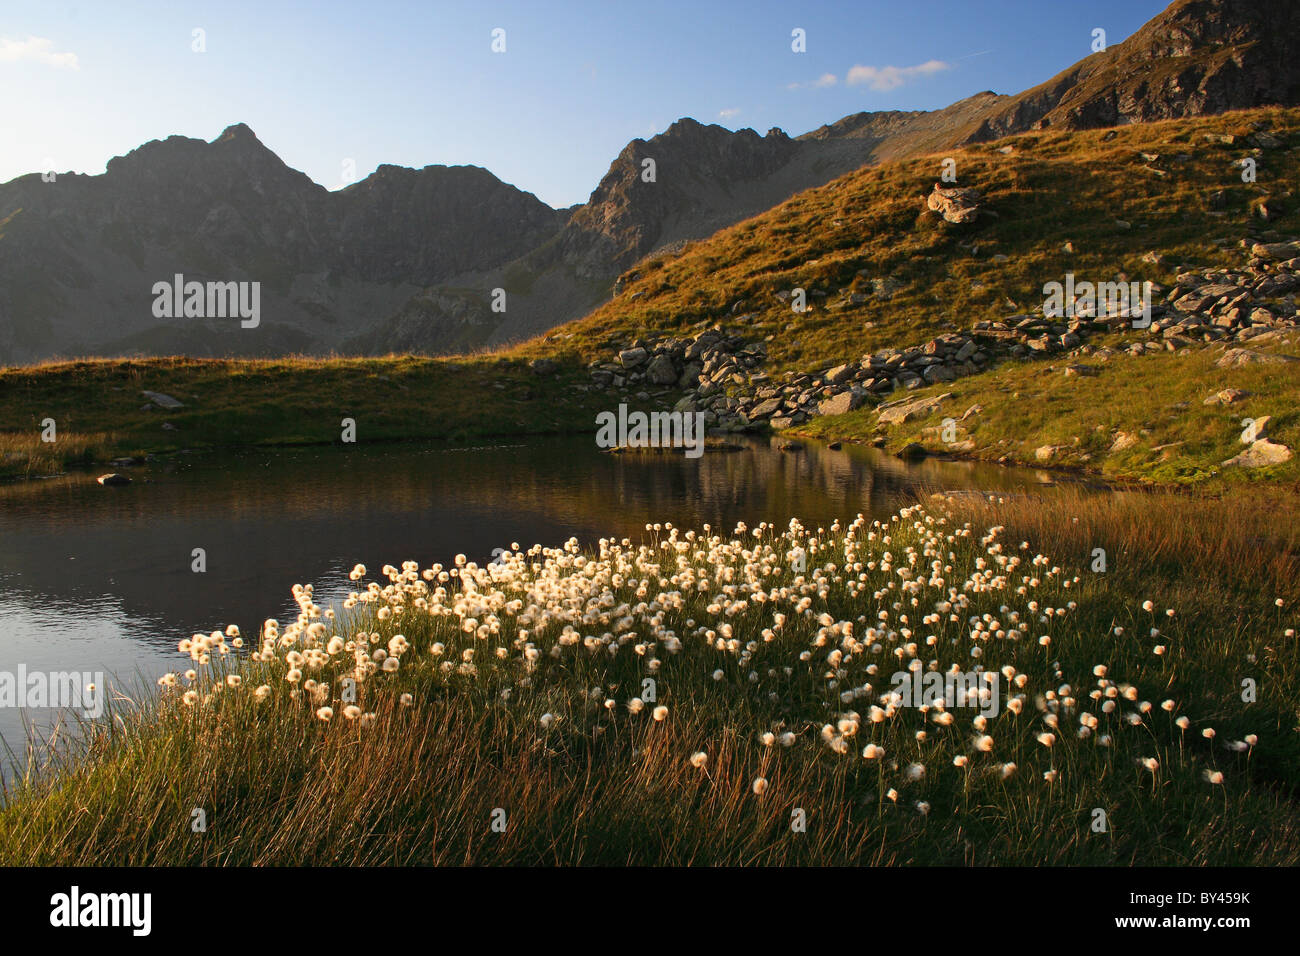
point(1159, 399)
point(96, 404)
point(24, 454)
point(422, 782)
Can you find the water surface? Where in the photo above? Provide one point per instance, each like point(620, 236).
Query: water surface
point(100, 579)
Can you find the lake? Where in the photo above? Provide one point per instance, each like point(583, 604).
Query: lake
point(97, 579)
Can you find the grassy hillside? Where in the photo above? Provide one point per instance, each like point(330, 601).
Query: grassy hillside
point(1140, 418)
point(1141, 203)
point(1094, 190)
point(99, 412)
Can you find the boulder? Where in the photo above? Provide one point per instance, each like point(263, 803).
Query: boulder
point(885, 287)
point(661, 371)
point(954, 203)
point(840, 374)
point(543, 366)
point(1193, 302)
point(903, 412)
point(163, 401)
point(631, 358)
point(938, 373)
point(1260, 453)
point(1227, 396)
point(110, 480)
point(1276, 250)
point(1235, 357)
point(844, 402)
point(1258, 429)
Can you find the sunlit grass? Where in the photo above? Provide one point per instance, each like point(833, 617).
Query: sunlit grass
point(1089, 188)
point(27, 454)
point(683, 700)
point(1157, 399)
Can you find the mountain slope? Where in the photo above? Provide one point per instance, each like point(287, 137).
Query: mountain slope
point(879, 269)
point(1198, 57)
point(947, 319)
point(82, 253)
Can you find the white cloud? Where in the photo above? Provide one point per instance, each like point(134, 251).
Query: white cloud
point(826, 79)
point(36, 50)
point(892, 77)
point(728, 113)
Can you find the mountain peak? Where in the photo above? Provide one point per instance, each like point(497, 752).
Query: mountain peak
point(238, 133)
point(1196, 58)
point(685, 122)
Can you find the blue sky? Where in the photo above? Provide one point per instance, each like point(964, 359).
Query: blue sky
point(417, 83)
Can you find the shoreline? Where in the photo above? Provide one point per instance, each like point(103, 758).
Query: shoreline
point(721, 442)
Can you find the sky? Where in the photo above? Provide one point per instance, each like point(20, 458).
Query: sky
point(337, 88)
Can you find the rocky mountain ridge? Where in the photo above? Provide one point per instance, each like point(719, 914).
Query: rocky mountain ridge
point(82, 253)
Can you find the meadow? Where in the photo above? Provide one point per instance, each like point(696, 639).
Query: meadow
point(1132, 420)
point(726, 696)
point(101, 414)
